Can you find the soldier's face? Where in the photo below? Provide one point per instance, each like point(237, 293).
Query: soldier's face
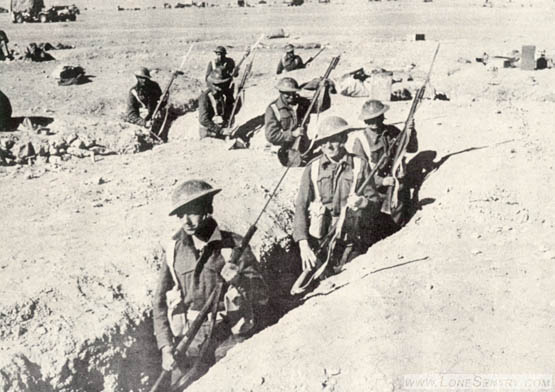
point(219, 56)
point(192, 216)
point(141, 81)
point(290, 98)
point(375, 124)
point(334, 147)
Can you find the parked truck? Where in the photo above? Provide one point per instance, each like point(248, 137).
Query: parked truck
point(26, 11)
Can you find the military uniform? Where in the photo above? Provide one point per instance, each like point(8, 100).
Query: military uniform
point(210, 106)
point(145, 97)
point(289, 63)
point(197, 264)
point(335, 184)
point(5, 112)
point(372, 145)
point(280, 119)
point(227, 65)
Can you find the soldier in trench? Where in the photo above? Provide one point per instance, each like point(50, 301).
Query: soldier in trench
point(327, 192)
point(142, 99)
point(197, 258)
point(371, 143)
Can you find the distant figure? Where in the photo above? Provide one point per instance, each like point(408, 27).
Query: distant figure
point(5, 112)
point(290, 61)
point(4, 51)
point(215, 105)
point(226, 64)
point(143, 97)
point(283, 116)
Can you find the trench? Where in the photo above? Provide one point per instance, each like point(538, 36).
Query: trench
point(126, 357)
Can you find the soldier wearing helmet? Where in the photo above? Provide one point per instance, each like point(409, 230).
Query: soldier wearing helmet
point(283, 116)
point(143, 98)
point(329, 184)
point(215, 105)
point(220, 60)
point(197, 258)
point(376, 140)
point(290, 61)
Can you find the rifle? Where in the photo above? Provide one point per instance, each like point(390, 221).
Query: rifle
point(328, 244)
point(311, 59)
point(250, 50)
point(293, 156)
point(166, 92)
point(240, 89)
point(212, 301)
point(392, 198)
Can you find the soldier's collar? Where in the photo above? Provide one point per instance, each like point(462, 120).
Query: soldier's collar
point(344, 160)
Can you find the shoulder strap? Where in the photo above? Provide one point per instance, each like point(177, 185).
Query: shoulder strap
point(213, 64)
point(276, 111)
point(357, 165)
point(314, 172)
point(134, 92)
point(361, 137)
point(170, 259)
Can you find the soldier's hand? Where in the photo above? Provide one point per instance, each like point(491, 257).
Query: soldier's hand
point(148, 124)
point(297, 132)
point(307, 255)
point(354, 202)
point(388, 181)
point(168, 361)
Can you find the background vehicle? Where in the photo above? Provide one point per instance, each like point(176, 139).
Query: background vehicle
point(35, 11)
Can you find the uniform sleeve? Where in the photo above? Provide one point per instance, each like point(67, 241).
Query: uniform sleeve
point(233, 71)
point(273, 131)
point(299, 62)
point(206, 113)
point(132, 113)
point(304, 197)
point(153, 101)
point(279, 67)
point(160, 309)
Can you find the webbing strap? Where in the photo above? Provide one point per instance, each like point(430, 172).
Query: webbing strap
point(276, 111)
point(314, 171)
point(137, 96)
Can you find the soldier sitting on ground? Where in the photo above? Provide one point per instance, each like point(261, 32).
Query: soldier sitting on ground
point(283, 116)
point(143, 97)
point(328, 187)
point(215, 106)
point(290, 61)
point(372, 143)
point(198, 259)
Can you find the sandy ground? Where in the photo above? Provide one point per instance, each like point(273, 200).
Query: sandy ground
point(465, 287)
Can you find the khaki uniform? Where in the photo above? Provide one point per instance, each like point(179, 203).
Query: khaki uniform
point(145, 97)
point(372, 146)
point(227, 66)
point(289, 63)
point(335, 184)
point(210, 106)
point(197, 272)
